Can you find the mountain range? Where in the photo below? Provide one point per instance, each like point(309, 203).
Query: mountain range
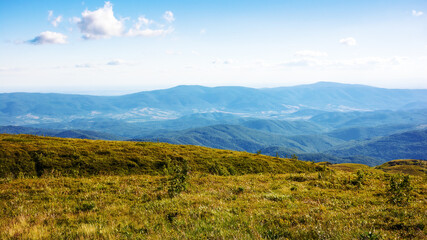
point(323, 121)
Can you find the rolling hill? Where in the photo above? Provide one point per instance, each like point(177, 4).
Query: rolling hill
point(56, 188)
point(82, 134)
point(30, 155)
point(405, 166)
point(241, 138)
point(406, 145)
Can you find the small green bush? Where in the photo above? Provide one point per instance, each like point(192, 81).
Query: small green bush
point(400, 190)
point(178, 181)
point(85, 206)
point(360, 179)
point(239, 190)
point(369, 236)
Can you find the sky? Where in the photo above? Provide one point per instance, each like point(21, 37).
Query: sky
point(116, 47)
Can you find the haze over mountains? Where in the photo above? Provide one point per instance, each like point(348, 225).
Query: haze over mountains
point(321, 121)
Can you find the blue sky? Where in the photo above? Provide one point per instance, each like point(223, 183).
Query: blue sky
point(127, 46)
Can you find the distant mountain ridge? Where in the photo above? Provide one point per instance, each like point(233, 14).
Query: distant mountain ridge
point(318, 122)
point(409, 144)
point(74, 133)
point(182, 100)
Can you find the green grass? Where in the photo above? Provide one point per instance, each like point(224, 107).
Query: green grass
point(349, 167)
point(261, 198)
point(260, 206)
point(406, 166)
point(37, 156)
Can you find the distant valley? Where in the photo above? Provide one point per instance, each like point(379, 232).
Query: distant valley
point(318, 122)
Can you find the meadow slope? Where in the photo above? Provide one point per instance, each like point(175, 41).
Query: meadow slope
point(56, 190)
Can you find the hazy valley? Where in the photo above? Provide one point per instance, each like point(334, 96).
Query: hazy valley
point(318, 122)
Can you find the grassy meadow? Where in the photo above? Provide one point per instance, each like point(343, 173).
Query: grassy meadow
point(53, 188)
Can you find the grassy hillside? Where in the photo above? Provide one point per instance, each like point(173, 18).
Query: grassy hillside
point(330, 205)
point(35, 156)
point(407, 166)
point(53, 188)
point(350, 167)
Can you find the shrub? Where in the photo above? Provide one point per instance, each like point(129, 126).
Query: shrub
point(400, 190)
point(178, 181)
point(275, 197)
point(85, 206)
point(369, 236)
point(220, 170)
point(239, 190)
point(360, 178)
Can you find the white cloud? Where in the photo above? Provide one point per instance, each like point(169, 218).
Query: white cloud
point(370, 61)
point(168, 16)
point(55, 21)
point(398, 60)
point(171, 52)
point(49, 38)
point(10, 69)
point(141, 28)
point(74, 20)
point(84, 65)
point(221, 61)
point(148, 32)
point(304, 62)
point(347, 63)
point(100, 23)
point(416, 13)
point(348, 41)
point(202, 31)
point(308, 53)
point(228, 61)
point(116, 62)
point(142, 21)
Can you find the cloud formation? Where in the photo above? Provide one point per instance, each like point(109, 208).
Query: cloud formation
point(370, 61)
point(304, 62)
point(133, 32)
point(141, 28)
point(84, 65)
point(116, 62)
point(49, 38)
point(168, 16)
point(345, 63)
point(308, 53)
point(221, 61)
point(100, 23)
point(142, 21)
point(416, 13)
point(348, 41)
point(172, 52)
point(54, 21)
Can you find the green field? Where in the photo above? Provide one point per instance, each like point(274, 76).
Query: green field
point(53, 188)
